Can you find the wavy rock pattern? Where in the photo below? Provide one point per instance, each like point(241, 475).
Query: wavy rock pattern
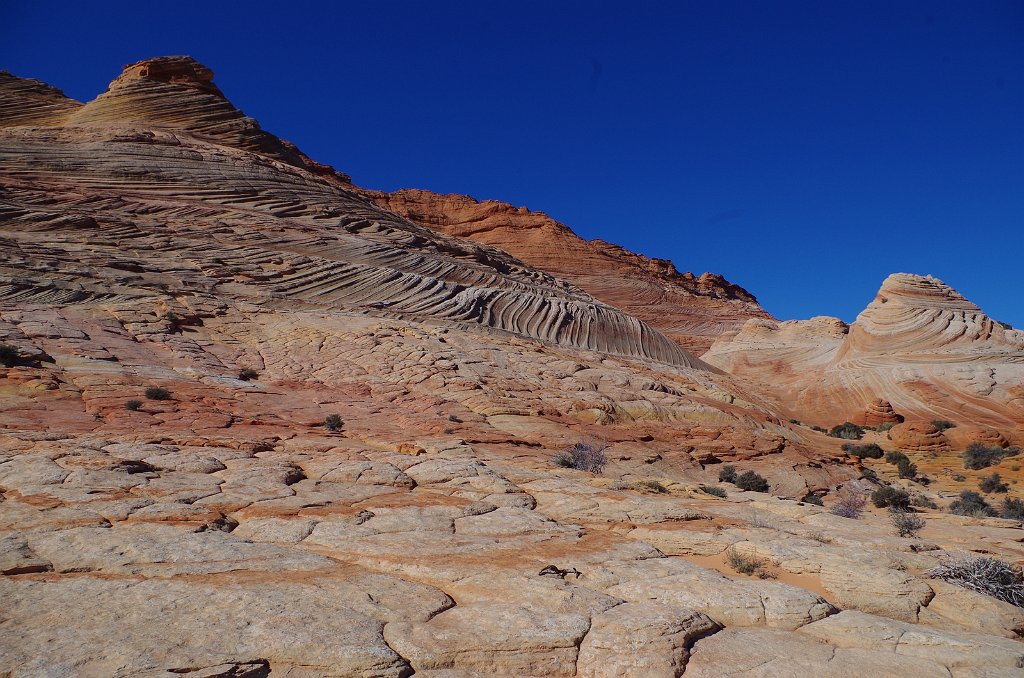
point(691, 310)
point(147, 203)
point(30, 102)
point(919, 345)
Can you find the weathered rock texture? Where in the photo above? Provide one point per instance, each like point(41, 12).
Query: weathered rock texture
point(691, 310)
point(219, 529)
point(919, 346)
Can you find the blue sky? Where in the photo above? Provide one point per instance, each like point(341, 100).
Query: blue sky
point(804, 150)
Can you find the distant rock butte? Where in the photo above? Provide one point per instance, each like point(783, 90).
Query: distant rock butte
point(920, 346)
point(691, 310)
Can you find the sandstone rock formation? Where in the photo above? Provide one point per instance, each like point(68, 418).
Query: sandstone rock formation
point(156, 239)
point(876, 413)
point(919, 345)
point(691, 310)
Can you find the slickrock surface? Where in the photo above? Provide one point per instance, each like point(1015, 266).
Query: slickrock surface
point(920, 346)
point(691, 310)
point(160, 240)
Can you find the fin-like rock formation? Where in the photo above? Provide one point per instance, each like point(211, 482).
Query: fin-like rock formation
point(920, 345)
point(251, 215)
point(691, 310)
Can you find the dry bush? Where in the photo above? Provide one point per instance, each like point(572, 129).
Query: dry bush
point(907, 524)
point(850, 505)
point(584, 457)
point(989, 576)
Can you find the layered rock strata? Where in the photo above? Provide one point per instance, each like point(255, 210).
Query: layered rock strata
point(691, 310)
point(919, 345)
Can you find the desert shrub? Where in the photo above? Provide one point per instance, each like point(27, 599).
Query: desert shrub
point(248, 373)
point(333, 422)
point(894, 457)
point(9, 355)
point(811, 498)
point(989, 576)
point(906, 469)
point(890, 497)
point(748, 480)
point(650, 486)
point(133, 405)
point(744, 564)
point(1012, 509)
point(959, 477)
point(971, 504)
point(850, 505)
point(727, 474)
point(714, 491)
point(454, 418)
point(921, 501)
point(158, 393)
point(943, 424)
point(847, 430)
point(907, 524)
point(979, 455)
point(819, 429)
point(882, 428)
point(583, 457)
point(993, 483)
point(869, 451)
point(820, 537)
point(869, 474)
point(794, 421)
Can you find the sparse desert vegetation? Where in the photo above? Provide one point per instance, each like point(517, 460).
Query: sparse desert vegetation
point(583, 456)
point(158, 393)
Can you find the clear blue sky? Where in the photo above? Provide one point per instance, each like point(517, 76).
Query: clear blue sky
point(802, 149)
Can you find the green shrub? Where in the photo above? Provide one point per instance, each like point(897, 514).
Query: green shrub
point(584, 457)
point(890, 496)
point(847, 430)
point(993, 483)
point(158, 393)
point(922, 501)
point(971, 504)
point(906, 469)
point(869, 451)
point(894, 457)
point(333, 422)
point(1012, 509)
point(714, 491)
point(979, 455)
point(133, 405)
point(748, 480)
point(744, 564)
point(907, 524)
point(247, 374)
point(727, 474)
point(943, 424)
point(9, 355)
point(811, 498)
